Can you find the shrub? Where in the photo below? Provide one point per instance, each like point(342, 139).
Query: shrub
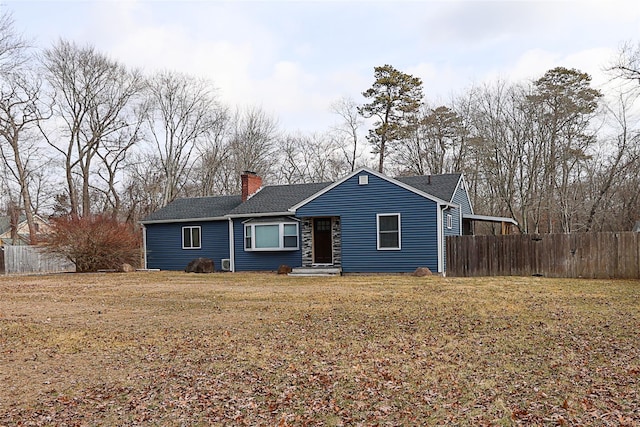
point(95, 243)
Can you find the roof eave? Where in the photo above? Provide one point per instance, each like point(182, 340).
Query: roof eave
point(167, 221)
point(488, 218)
point(258, 214)
point(407, 187)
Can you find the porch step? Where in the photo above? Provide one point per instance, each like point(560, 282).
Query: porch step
point(316, 271)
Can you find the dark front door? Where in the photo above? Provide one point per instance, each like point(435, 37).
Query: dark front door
point(322, 241)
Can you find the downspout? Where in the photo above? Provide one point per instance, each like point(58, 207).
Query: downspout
point(144, 246)
point(232, 250)
point(440, 240)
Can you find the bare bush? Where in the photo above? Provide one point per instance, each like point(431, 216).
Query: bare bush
point(95, 243)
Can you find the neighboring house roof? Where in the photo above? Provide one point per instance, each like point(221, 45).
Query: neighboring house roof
point(194, 208)
point(441, 186)
point(277, 199)
point(5, 224)
point(22, 230)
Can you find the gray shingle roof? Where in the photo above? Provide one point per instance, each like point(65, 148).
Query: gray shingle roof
point(5, 222)
point(195, 207)
point(441, 186)
point(278, 198)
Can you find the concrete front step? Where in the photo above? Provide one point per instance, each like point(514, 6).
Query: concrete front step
point(316, 271)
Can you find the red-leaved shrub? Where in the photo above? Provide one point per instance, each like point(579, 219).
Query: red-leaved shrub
point(95, 243)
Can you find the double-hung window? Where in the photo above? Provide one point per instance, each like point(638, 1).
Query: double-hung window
point(388, 227)
point(281, 236)
point(191, 237)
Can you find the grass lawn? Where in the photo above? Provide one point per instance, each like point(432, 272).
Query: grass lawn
point(177, 349)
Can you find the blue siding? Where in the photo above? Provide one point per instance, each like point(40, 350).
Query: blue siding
point(455, 230)
point(164, 244)
point(357, 206)
point(461, 198)
point(261, 260)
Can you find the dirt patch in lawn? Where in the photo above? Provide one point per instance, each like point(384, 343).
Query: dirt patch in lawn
point(261, 349)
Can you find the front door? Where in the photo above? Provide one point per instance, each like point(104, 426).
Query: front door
point(322, 248)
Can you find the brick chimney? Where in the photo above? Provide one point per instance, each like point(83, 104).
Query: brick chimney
point(251, 183)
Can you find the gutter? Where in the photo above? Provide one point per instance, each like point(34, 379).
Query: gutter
point(232, 249)
point(172, 221)
point(440, 232)
point(257, 215)
point(144, 245)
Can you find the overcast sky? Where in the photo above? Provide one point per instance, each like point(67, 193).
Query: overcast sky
point(295, 58)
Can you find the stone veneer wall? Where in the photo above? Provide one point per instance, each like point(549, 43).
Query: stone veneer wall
point(336, 239)
point(307, 241)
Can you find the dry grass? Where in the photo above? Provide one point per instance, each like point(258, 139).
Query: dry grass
point(252, 349)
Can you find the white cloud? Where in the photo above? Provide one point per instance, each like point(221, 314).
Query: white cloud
point(295, 58)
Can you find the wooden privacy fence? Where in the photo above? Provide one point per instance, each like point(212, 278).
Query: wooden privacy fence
point(588, 255)
point(31, 259)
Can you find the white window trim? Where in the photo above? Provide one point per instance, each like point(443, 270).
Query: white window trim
point(378, 232)
point(449, 221)
point(280, 237)
point(191, 227)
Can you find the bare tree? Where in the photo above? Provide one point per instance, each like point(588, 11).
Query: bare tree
point(499, 146)
point(252, 146)
point(114, 163)
point(92, 94)
point(12, 46)
point(20, 113)
point(349, 129)
point(566, 104)
point(294, 167)
point(312, 158)
point(617, 161)
point(212, 155)
point(143, 186)
point(182, 115)
point(627, 64)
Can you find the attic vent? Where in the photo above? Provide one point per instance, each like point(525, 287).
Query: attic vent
point(363, 179)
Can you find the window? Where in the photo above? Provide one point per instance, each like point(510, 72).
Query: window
point(363, 179)
point(449, 221)
point(271, 237)
point(388, 231)
point(248, 232)
point(191, 237)
point(290, 237)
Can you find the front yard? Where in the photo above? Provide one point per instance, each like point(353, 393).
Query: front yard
point(176, 349)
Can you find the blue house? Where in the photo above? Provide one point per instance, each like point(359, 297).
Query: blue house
point(365, 222)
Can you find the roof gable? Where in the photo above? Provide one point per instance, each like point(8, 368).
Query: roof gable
point(397, 182)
